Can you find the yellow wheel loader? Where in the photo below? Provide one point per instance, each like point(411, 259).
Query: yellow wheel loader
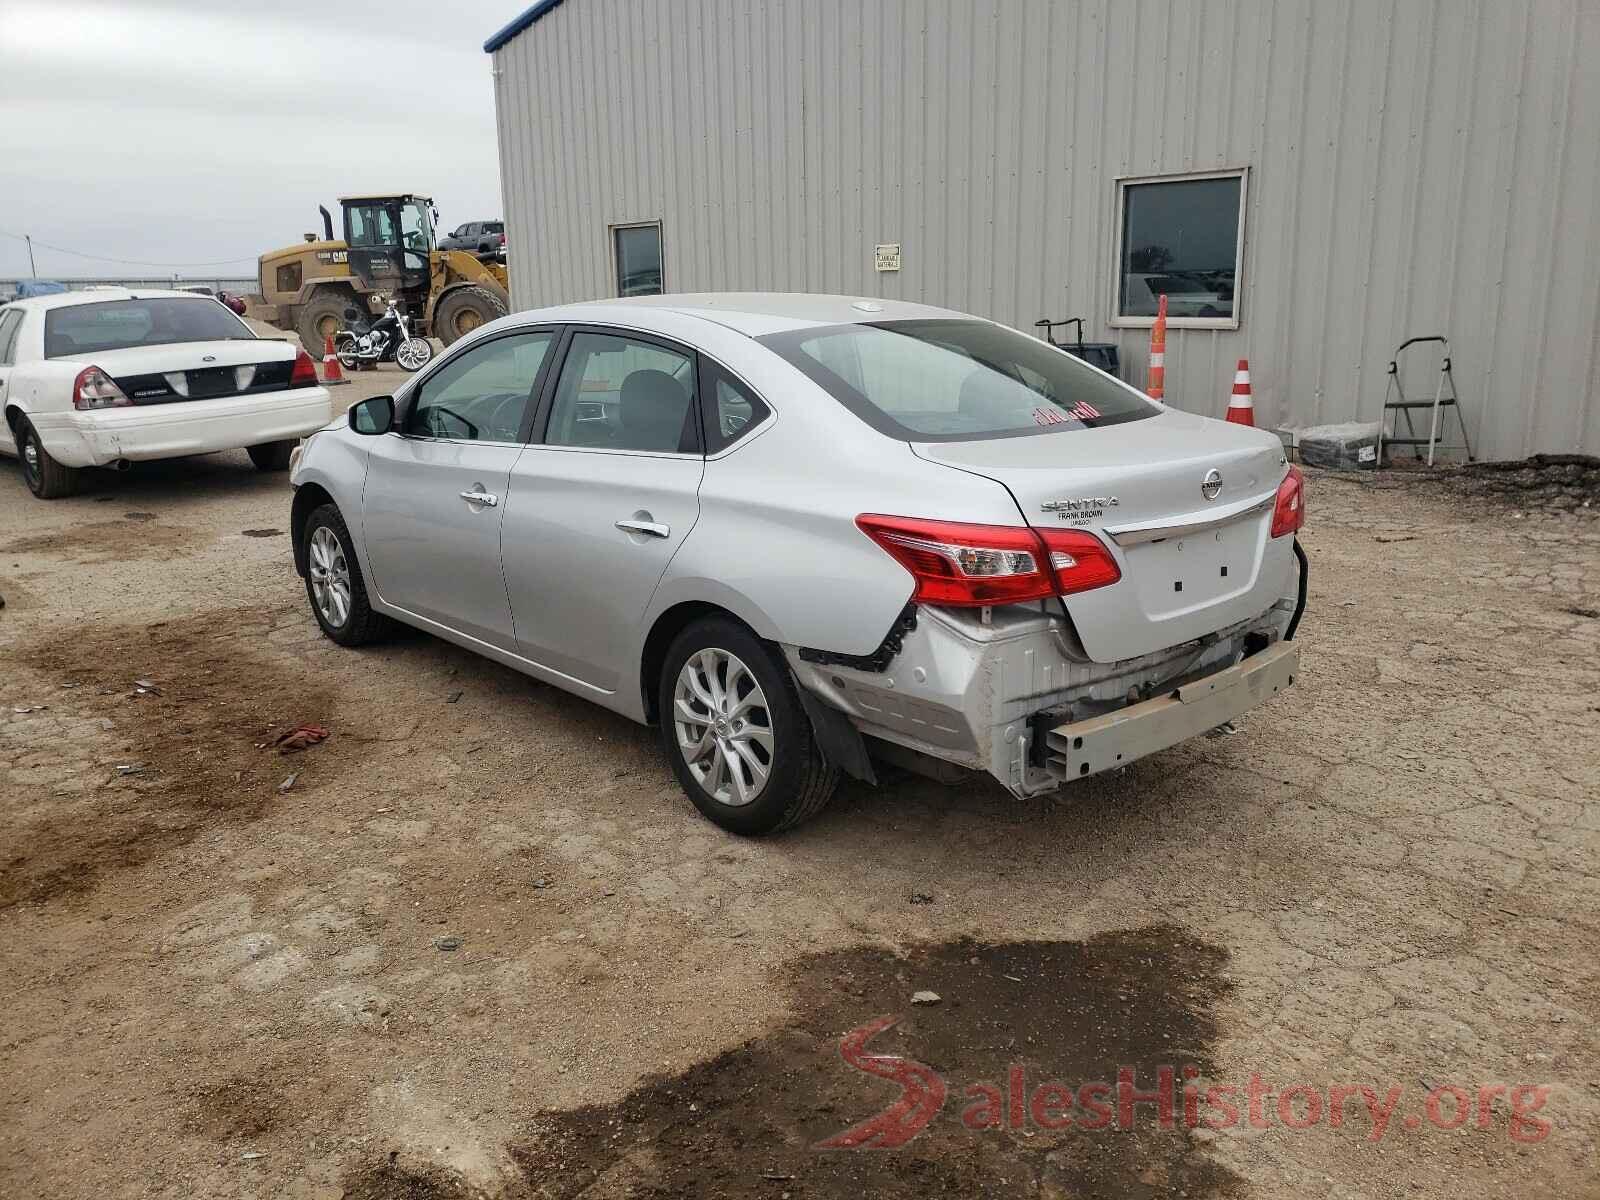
point(388, 250)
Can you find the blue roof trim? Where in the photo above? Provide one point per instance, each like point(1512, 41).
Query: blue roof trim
point(528, 17)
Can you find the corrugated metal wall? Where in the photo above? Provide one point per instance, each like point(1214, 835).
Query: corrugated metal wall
point(1416, 166)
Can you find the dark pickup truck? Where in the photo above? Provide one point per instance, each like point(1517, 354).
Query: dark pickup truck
point(483, 238)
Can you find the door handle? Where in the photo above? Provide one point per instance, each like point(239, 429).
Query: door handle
point(487, 499)
point(652, 528)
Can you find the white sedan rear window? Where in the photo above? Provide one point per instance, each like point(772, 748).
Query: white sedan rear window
point(156, 321)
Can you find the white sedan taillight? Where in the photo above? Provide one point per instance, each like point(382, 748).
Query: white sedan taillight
point(304, 371)
point(93, 388)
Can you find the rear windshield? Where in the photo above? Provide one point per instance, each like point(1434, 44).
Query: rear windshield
point(956, 381)
point(119, 324)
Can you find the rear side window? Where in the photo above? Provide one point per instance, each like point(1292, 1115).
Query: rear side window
point(619, 393)
point(10, 322)
point(156, 321)
point(949, 381)
point(733, 409)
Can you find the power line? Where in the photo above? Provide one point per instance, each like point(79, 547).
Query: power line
point(128, 262)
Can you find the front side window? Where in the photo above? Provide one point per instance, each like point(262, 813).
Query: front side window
point(618, 393)
point(372, 225)
point(638, 253)
point(1180, 238)
point(948, 381)
point(483, 395)
point(414, 229)
point(157, 321)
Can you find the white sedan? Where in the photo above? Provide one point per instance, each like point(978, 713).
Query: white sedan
point(110, 377)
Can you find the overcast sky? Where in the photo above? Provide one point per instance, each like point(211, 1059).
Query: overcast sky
point(190, 131)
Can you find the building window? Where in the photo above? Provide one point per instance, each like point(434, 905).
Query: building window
point(1181, 236)
point(638, 254)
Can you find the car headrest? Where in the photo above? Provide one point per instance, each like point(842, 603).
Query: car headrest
point(654, 408)
point(987, 394)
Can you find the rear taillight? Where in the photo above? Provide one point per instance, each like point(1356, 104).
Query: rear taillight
point(1080, 560)
point(1289, 513)
point(971, 565)
point(93, 388)
point(502, 239)
point(304, 373)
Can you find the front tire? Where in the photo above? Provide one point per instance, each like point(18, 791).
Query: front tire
point(414, 353)
point(736, 733)
point(465, 309)
point(334, 586)
point(271, 456)
point(46, 478)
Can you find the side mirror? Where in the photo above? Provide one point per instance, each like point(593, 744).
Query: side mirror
point(372, 416)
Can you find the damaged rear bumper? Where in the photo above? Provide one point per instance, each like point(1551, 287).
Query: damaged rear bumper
point(1082, 748)
point(1014, 695)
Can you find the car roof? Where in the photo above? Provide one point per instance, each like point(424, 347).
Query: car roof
point(101, 295)
point(756, 314)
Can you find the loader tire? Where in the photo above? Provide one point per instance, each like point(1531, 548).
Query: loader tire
point(321, 317)
point(465, 309)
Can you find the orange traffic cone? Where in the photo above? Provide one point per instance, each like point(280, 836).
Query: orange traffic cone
point(1157, 387)
point(1241, 408)
point(330, 364)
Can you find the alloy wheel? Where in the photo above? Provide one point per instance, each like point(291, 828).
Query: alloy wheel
point(413, 354)
point(330, 576)
point(723, 726)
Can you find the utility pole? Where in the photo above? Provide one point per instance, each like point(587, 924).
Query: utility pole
point(29, 239)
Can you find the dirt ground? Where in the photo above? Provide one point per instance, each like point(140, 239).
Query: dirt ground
point(477, 943)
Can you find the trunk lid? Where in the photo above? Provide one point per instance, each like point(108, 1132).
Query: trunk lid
point(1191, 562)
point(183, 356)
point(177, 371)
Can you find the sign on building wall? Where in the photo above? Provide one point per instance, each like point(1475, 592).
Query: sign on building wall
point(887, 256)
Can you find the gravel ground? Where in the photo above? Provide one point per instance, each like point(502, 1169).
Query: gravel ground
point(481, 944)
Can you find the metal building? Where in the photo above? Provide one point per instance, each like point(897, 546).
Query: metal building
point(1310, 181)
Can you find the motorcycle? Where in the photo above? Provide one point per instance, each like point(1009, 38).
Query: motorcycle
point(388, 339)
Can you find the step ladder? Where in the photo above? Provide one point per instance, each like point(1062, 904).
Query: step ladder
point(1396, 403)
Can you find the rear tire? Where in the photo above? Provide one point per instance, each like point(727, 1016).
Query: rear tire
point(271, 456)
point(736, 733)
point(344, 348)
point(46, 478)
point(465, 309)
point(323, 316)
point(334, 586)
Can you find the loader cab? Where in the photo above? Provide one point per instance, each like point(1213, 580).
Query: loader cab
point(390, 239)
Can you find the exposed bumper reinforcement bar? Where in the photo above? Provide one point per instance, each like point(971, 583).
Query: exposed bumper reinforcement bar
point(1119, 738)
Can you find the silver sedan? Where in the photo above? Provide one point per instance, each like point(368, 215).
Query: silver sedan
point(805, 535)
